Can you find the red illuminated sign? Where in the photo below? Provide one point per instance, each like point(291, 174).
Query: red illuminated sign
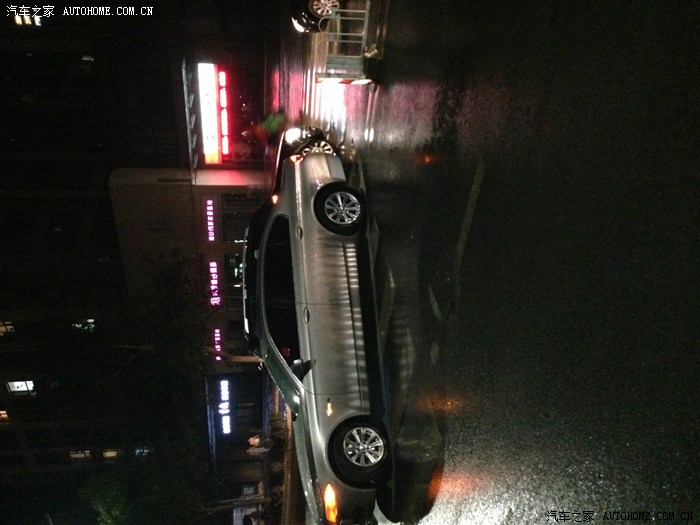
point(213, 97)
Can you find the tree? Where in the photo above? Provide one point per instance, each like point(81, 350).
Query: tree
point(143, 362)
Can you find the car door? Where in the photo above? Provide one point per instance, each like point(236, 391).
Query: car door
point(330, 330)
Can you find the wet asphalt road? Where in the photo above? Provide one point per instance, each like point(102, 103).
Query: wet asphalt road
point(534, 173)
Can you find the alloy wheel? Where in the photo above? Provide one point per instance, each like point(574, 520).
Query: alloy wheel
point(363, 447)
point(343, 208)
point(323, 8)
point(317, 146)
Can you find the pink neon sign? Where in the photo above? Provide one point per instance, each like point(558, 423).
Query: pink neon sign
point(217, 342)
point(215, 298)
point(211, 229)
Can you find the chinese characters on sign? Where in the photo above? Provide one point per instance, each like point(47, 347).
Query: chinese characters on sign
point(225, 406)
point(211, 232)
point(215, 299)
point(217, 342)
point(213, 85)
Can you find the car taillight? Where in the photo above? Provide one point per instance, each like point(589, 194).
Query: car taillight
point(331, 505)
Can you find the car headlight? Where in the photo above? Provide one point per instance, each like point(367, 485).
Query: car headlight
point(292, 135)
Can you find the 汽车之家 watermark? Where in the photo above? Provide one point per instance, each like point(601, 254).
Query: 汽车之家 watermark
point(30, 11)
point(590, 516)
point(574, 516)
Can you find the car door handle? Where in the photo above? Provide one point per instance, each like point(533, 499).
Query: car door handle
point(307, 315)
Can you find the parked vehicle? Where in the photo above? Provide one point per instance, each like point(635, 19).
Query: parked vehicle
point(312, 15)
point(309, 314)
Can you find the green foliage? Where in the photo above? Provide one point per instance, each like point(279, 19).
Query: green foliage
point(105, 494)
point(162, 489)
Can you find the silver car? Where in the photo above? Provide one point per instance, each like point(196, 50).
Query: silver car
point(309, 314)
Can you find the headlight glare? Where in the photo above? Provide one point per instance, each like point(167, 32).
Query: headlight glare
point(331, 505)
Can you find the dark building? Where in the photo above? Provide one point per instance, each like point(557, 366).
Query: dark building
point(85, 96)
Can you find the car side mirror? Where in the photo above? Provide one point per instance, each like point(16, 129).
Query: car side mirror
point(301, 368)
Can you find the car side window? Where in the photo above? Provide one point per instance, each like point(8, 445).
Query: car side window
point(250, 272)
point(280, 304)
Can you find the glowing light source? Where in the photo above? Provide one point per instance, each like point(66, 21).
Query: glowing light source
point(331, 504)
point(26, 20)
point(6, 328)
point(213, 99)
point(217, 342)
point(21, 388)
point(215, 298)
point(329, 408)
point(292, 135)
point(224, 123)
point(211, 227)
point(225, 406)
point(206, 74)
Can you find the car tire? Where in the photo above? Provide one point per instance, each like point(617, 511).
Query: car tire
point(323, 8)
point(360, 452)
point(340, 209)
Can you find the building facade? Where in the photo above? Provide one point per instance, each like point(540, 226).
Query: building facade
point(202, 215)
point(84, 97)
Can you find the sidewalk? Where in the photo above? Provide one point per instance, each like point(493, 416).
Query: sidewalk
point(292, 503)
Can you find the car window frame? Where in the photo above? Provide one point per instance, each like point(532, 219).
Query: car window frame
point(278, 366)
point(251, 273)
